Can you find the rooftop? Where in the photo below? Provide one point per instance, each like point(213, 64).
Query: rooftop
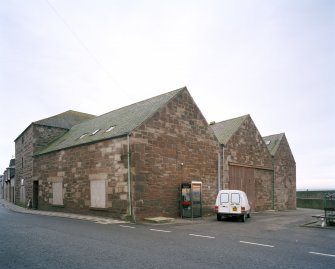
point(225, 129)
point(113, 124)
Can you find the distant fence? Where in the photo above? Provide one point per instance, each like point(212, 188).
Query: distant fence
point(314, 199)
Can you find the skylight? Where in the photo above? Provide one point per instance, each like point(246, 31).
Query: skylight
point(97, 130)
point(110, 128)
point(82, 136)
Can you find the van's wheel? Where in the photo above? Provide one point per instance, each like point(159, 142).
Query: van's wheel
point(244, 218)
point(218, 217)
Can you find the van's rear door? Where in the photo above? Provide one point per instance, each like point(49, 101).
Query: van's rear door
point(235, 203)
point(224, 206)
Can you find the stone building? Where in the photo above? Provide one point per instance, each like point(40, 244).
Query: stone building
point(36, 136)
point(246, 163)
point(130, 162)
point(284, 171)
point(9, 182)
point(1, 186)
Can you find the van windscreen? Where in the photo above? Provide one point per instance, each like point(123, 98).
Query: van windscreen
point(224, 198)
point(235, 198)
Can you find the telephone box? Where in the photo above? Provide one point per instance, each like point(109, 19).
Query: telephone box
point(190, 199)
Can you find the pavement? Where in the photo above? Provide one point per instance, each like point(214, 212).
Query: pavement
point(310, 222)
point(100, 220)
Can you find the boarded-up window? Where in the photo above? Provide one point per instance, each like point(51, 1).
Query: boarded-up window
point(57, 192)
point(98, 193)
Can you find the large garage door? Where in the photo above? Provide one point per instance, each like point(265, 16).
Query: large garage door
point(242, 178)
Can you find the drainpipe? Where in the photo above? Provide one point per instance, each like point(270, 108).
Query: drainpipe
point(273, 184)
point(219, 161)
point(222, 166)
point(130, 209)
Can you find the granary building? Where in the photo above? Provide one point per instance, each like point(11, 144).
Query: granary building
point(246, 163)
point(131, 161)
point(284, 171)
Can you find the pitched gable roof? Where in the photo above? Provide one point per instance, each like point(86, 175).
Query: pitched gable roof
point(65, 120)
point(116, 123)
point(225, 129)
point(273, 141)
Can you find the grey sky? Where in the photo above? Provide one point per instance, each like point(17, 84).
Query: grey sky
point(274, 60)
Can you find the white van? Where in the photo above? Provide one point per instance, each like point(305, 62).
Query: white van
point(232, 203)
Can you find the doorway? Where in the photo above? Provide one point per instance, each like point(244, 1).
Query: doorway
point(243, 178)
point(35, 195)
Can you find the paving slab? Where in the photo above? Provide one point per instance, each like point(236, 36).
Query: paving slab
point(159, 220)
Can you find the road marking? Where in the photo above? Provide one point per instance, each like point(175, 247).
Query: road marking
point(125, 226)
point(322, 254)
point(251, 243)
point(204, 236)
point(162, 231)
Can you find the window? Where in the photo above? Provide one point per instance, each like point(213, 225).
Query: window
point(82, 136)
point(224, 198)
point(97, 130)
point(22, 162)
point(98, 193)
point(235, 198)
point(110, 128)
point(267, 142)
point(57, 193)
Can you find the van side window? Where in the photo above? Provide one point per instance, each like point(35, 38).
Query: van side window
point(235, 198)
point(224, 198)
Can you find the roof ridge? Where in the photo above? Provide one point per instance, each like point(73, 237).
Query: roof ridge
point(143, 101)
point(62, 113)
point(243, 116)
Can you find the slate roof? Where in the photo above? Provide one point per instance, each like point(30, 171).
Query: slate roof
point(225, 129)
point(120, 122)
point(65, 120)
point(273, 141)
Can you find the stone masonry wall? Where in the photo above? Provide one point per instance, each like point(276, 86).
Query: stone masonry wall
point(285, 177)
point(174, 146)
point(76, 167)
point(27, 144)
point(24, 163)
point(44, 135)
point(247, 148)
point(264, 189)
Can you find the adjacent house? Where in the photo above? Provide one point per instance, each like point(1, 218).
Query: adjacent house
point(284, 171)
point(36, 136)
point(130, 162)
point(246, 163)
point(1, 186)
point(9, 182)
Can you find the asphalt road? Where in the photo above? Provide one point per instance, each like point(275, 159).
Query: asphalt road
point(269, 240)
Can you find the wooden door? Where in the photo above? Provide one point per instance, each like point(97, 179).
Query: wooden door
point(243, 178)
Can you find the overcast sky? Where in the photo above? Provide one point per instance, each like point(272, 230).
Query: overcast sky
point(274, 60)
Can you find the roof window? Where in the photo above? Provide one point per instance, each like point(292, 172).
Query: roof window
point(82, 136)
point(110, 128)
point(267, 142)
point(97, 130)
